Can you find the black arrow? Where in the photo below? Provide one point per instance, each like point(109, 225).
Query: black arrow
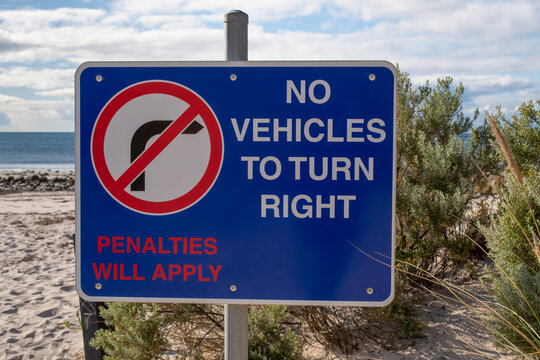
point(144, 133)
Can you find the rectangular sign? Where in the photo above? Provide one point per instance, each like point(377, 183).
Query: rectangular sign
point(236, 182)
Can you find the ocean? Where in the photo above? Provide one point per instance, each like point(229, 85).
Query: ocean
point(37, 151)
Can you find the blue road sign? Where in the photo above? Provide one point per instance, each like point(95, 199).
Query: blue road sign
point(236, 182)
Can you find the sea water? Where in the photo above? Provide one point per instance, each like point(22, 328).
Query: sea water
point(37, 151)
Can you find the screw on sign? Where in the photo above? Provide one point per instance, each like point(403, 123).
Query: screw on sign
point(157, 147)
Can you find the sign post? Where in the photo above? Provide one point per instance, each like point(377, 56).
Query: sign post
point(236, 183)
point(236, 316)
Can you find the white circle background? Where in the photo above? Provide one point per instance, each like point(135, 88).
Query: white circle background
point(178, 168)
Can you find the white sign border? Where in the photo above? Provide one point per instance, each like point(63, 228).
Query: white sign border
point(231, 64)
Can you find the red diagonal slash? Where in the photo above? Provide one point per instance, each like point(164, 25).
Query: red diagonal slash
point(118, 187)
point(138, 166)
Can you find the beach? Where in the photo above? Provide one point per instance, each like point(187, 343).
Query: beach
point(39, 306)
point(38, 301)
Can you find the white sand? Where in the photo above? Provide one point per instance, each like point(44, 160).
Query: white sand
point(38, 301)
point(39, 304)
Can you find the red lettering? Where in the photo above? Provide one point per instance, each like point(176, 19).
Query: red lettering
point(135, 277)
point(211, 246)
point(117, 271)
point(117, 241)
point(101, 271)
point(174, 272)
point(103, 241)
point(190, 272)
point(149, 245)
point(122, 276)
point(201, 278)
point(215, 272)
point(129, 244)
point(161, 251)
point(132, 244)
point(159, 272)
point(175, 246)
point(195, 243)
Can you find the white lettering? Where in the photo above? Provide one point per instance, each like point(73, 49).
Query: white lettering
point(300, 95)
point(311, 130)
point(298, 130)
point(266, 206)
point(250, 160)
point(345, 168)
point(308, 209)
point(331, 206)
point(262, 168)
point(307, 134)
point(358, 163)
point(301, 206)
point(324, 172)
point(258, 128)
point(297, 161)
point(351, 130)
point(312, 91)
point(288, 129)
point(346, 199)
point(381, 132)
point(331, 137)
point(240, 134)
point(338, 164)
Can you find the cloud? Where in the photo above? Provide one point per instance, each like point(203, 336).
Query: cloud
point(4, 119)
point(38, 79)
point(484, 84)
point(7, 45)
point(264, 10)
point(488, 91)
point(421, 35)
point(37, 114)
point(493, 47)
point(65, 93)
point(78, 35)
point(6, 99)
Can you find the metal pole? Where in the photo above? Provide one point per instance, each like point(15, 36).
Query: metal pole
point(91, 322)
point(236, 332)
point(236, 316)
point(236, 36)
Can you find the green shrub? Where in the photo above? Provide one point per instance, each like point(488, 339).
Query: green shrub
point(516, 286)
point(437, 176)
point(148, 331)
point(522, 133)
point(513, 239)
point(269, 338)
point(136, 332)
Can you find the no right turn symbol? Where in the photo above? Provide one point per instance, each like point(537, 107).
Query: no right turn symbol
point(157, 147)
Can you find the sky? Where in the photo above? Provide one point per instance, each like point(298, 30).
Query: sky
point(491, 46)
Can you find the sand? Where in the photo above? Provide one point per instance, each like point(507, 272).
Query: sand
point(38, 301)
point(39, 305)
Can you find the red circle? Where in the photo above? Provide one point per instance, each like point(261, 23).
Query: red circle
point(216, 147)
